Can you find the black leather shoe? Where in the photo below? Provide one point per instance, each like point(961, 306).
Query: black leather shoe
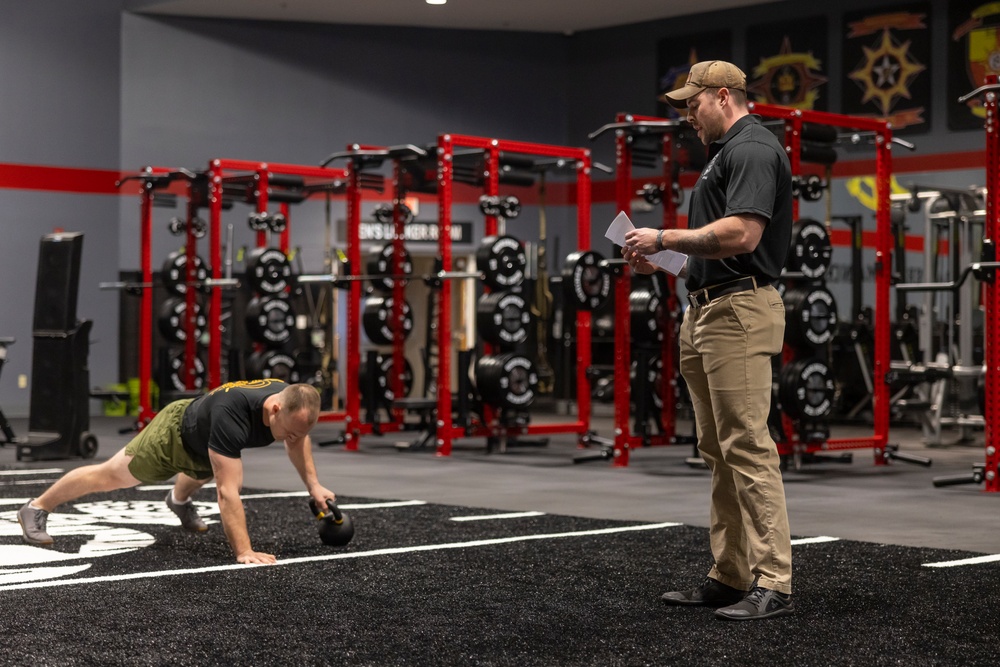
point(758, 603)
point(712, 593)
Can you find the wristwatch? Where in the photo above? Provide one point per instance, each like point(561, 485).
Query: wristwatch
point(659, 240)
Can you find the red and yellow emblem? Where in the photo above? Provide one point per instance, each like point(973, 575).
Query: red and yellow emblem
point(982, 31)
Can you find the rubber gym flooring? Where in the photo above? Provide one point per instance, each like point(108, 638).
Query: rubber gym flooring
point(437, 584)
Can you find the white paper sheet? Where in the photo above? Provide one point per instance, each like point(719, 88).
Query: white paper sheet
point(670, 261)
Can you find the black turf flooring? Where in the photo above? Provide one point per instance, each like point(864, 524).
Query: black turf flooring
point(573, 600)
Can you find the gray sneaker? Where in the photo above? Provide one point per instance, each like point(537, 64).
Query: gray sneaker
point(187, 514)
point(33, 525)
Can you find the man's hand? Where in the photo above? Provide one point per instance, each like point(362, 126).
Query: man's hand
point(643, 240)
point(255, 557)
point(320, 494)
point(637, 261)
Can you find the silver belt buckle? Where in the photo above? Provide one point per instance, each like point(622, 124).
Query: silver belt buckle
point(693, 300)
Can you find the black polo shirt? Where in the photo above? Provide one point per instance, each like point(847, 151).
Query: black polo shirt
point(747, 172)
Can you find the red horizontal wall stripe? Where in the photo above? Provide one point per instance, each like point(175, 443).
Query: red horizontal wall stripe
point(58, 179)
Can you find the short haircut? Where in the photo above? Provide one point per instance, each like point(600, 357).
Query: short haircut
point(301, 396)
point(739, 96)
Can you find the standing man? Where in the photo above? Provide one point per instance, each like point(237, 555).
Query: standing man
point(739, 230)
point(197, 439)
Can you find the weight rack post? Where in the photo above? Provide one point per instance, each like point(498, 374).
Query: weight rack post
point(991, 324)
point(623, 439)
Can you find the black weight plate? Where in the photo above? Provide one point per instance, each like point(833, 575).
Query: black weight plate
point(502, 261)
point(270, 320)
point(383, 378)
point(502, 318)
point(586, 284)
point(810, 316)
point(177, 374)
point(272, 364)
point(377, 320)
point(172, 320)
point(174, 273)
point(268, 270)
point(506, 380)
point(380, 264)
point(650, 382)
point(806, 389)
point(647, 316)
point(811, 249)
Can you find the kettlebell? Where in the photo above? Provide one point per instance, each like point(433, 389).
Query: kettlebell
point(335, 527)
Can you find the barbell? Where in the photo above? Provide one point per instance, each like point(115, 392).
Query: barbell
point(136, 287)
point(502, 261)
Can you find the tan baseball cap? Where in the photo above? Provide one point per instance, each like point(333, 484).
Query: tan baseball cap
point(706, 74)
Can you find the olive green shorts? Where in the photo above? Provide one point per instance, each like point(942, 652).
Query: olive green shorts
point(158, 452)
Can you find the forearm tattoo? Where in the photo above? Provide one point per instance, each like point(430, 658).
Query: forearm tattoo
point(702, 245)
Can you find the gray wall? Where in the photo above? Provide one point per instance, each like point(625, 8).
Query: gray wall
point(60, 77)
point(88, 85)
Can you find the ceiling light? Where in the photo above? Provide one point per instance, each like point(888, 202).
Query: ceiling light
point(436, 2)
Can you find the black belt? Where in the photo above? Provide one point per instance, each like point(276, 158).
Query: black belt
point(704, 296)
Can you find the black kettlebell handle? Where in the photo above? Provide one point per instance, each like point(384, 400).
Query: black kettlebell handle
point(338, 517)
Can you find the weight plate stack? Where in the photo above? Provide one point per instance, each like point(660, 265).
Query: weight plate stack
point(806, 389)
point(377, 320)
point(586, 284)
point(174, 273)
point(646, 311)
point(502, 318)
point(506, 380)
point(502, 261)
point(176, 372)
point(172, 318)
point(380, 264)
point(811, 249)
point(650, 382)
point(810, 316)
point(383, 378)
point(268, 364)
point(268, 270)
point(270, 320)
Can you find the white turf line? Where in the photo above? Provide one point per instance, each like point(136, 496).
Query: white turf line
point(487, 517)
point(340, 556)
point(977, 560)
point(37, 471)
point(28, 482)
point(814, 540)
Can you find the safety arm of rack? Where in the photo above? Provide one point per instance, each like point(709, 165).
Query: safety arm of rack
point(640, 126)
point(978, 91)
point(945, 287)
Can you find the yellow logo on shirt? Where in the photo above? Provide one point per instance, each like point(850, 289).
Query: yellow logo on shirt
point(247, 384)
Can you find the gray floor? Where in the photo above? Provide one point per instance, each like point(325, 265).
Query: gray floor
point(894, 504)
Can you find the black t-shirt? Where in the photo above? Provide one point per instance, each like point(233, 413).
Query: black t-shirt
point(229, 419)
point(747, 172)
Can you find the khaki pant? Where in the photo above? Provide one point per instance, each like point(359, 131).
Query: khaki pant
point(725, 357)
